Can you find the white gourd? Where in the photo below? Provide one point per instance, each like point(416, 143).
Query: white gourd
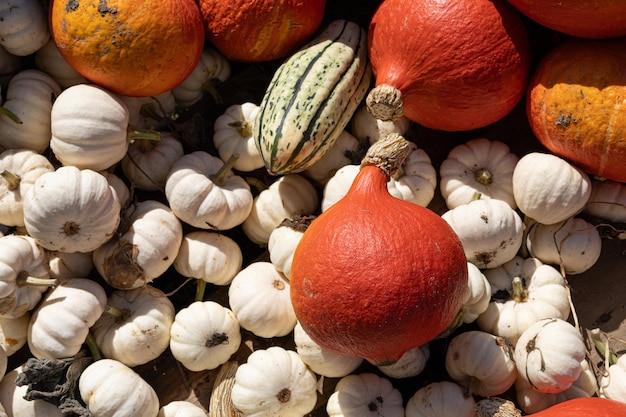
point(24, 28)
point(411, 363)
point(369, 129)
point(15, 405)
point(14, 333)
point(478, 294)
point(181, 408)
point(4, 362)
point(212, 66)
point(10, 64)
point(283, 241)
point(62, 265)
point(612, 382)
point(48, 59)
point(346, 150)
point(441, 399)
point(607, 200)
point(365, 394)
point(152, 112)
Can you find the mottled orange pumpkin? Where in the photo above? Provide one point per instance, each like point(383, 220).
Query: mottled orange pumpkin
point(260, 30)
point(576, 104)
point(131, 47)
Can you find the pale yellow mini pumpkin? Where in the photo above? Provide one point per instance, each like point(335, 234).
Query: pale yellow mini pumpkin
point(478, 294)
point(110, 388)
point(411, 363)
point(19, 168)
point(15, 405)
point(60, 323)
point(232, 134)
point(612, 382)
point(71, 210)
point(135, 326)
point(62, 265)
point(607, 200)
point(259, 297)
point(203, 191)
point(283, 241)
point(441, 399)
point(24, 26)
point(144, 250)
point(347, 150)
point(154, 112)
point(211, 68)
point(30, 96)
point(548, 189)
point(358, 395)
point(13, 333)
point(274, 382)
point(181, 408)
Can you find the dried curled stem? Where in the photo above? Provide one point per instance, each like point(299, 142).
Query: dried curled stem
point(388, 153)
point(384, 102)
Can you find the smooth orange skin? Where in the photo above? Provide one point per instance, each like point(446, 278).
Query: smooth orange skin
point(576, 104)
point(459, 65)
point(260, 30)
point(374, 276)
point(582, 18)
point(584, 407)
point(132, 47)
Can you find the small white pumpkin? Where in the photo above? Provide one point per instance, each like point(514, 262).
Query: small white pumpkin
point(19, 168)
point(203, 191)
point(148, 162)
point(62, 265)
point(71, 210)
point(441, 399)
point(283, 241)
point(347, 150)
point(208, 256)
point(478, 294)
point(286, 197)
point(612, 382)
point(320, 360)
point(182, 409)
point(30, 97)
point(48, 59)
point(120, 188)
point(548, 355)
point(212, 66)
point(24, 26)
point(481, 362)
point(533, 401)
point(549, 189)
point(365, 394)
point(411, 363)
point(10, 64)
point(573, 244)
point(23, 275)
point(204, 335)
point(369, 129)
point(259, 297)
point(489, 229)
point(135, 326)
point(524, 291)
point(232, 134)
point(143, 251)
point(110, 388)
point(15, 405)
point(480, 166)
point(14, 333)
point(607, 200)
point(60, 323)
point(89, 127)
point(152, 112)
point(274, 382)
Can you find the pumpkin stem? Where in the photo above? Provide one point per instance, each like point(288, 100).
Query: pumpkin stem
point(609, 357)
point(25, 280)
point(146, 134)
point(8, 113)
point(200, 288)
point(242, 127)
point(13, 180)
point(220, 175)
point(483, 176)
point(90, 341)
point(256, 183)
point(384, 102)
point(119, 314)
point(519, 292)
point(475, 196)
point(388, 154)
point(209, 87)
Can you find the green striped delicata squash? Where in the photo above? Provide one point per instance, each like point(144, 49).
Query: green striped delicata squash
point(312, 97)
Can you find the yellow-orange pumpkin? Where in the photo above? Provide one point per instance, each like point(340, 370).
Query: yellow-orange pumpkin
point(576, 104)
point(131, 47)
point(260, 30)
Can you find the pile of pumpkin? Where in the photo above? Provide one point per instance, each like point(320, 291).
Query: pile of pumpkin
point(112, 199)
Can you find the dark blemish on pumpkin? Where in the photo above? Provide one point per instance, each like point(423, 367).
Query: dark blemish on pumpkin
point(564, 120)
point(217, 339)
point(456, 356)
point(104, 8)
point(165, 258)
point(284, 395)
point(484, 218)
point(485, 257)
point(71, 5)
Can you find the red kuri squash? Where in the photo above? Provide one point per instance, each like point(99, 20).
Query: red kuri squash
point(584, 407)
point(581, 18)
point(453, 65)
point(375, 276)
point(260, 30)
point(575, 104)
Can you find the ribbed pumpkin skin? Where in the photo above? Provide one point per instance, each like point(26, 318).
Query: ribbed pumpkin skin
point(584, 407)
point(131, 47)
point(581, 18)
point(575, 104)
point(374, 276)
point(260, 30)
point(459, 65)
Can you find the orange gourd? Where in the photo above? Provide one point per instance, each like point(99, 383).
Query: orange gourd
point(131, 47)
point(453, 65)
point(260, 30)
point(374, 276)
point(575, 104)
point(581, 18)
point(584, 407)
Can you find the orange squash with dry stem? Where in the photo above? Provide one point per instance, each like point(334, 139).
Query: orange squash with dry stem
point(131, 47)
point(575, 104)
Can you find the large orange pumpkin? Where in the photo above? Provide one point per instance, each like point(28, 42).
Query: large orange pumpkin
point(581, 18)
point(576, 104)
point(260, 30)
point(131, 47)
